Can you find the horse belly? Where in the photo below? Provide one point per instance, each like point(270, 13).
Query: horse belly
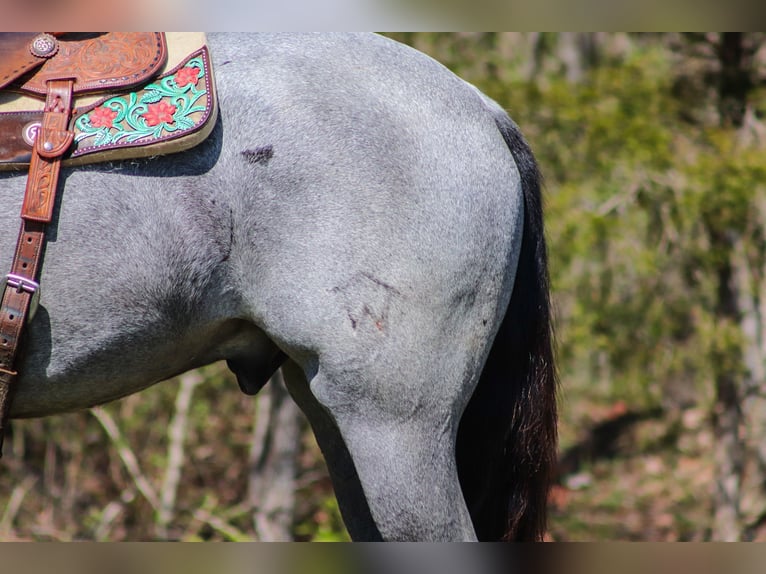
point(128, 294)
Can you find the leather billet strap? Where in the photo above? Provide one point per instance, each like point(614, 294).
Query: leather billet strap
point(52, 141)
point(20, 286)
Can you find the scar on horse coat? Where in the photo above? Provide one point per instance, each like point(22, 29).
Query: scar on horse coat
point(361, 217)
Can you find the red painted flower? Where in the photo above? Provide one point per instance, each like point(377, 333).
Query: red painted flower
point(102, 117)
point(186, 76)
point(159, 113)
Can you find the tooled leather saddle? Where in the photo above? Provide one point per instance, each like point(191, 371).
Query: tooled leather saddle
point(78, 98)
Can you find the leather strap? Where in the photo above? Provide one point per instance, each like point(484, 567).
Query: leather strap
point(20, 286)
point(52, 141)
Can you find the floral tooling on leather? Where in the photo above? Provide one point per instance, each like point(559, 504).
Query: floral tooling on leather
point(174, 105)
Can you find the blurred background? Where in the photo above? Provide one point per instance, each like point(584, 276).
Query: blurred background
point(653, 149)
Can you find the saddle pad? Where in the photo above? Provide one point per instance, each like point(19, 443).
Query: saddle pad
point(170, 114)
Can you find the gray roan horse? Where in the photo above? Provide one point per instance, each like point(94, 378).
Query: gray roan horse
point(361, 217)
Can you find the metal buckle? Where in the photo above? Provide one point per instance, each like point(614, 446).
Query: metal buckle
point(23, 284)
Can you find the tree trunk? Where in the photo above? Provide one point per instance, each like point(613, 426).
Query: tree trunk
point(753, 496)
point(727, 413)
point(731, 371)
point(274, 461)
point(734, 81)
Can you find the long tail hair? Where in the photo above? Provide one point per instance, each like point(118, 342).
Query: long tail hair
point(507, 439)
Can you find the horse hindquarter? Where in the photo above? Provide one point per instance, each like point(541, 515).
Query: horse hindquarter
point(390, 226)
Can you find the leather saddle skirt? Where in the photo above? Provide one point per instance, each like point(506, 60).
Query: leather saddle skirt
point(158, 99)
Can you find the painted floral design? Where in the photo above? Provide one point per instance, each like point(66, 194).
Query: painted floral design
point(187, 75)
point(174, 103)
point(102, 117)
point(161, 112)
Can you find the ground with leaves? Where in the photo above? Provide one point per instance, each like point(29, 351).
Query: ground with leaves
point(634, 476)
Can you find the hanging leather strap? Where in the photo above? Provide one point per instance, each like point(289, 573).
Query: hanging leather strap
point(20, 289)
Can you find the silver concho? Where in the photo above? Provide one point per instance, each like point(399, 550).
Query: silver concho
point(29, 132)
point(44, 46)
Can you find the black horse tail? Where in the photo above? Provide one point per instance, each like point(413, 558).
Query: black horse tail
point(507, 439)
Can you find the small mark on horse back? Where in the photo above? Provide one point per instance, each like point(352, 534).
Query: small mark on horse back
point(261, 154)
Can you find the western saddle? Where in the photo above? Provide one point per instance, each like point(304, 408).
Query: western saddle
point(59, 70)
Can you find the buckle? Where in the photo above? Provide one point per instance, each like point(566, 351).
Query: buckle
point(23, 284)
